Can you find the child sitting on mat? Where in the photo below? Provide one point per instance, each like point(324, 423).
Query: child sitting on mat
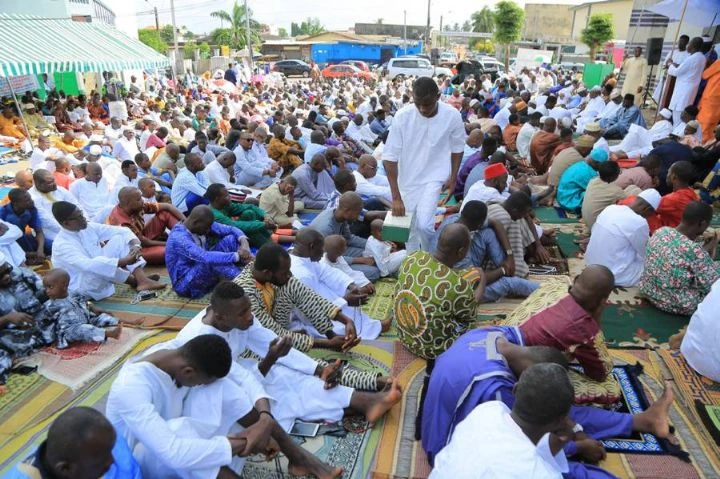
point(387, 257)
point(335, 246)
point(75, 320)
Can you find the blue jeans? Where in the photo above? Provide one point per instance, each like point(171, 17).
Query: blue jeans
point(485, 250)
point(29, 244)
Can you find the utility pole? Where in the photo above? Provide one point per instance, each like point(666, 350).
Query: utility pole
point(175, 44)
point(247, 36)
point(427, 30)
point(441, 40)
point(405, 30)
point(157, 22)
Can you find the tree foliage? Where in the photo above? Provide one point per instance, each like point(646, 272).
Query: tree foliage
point(282, 33)
point(204, 50)
point(189, 50)
point(152, 39)
point(235, 35)
point(166, 34)
point(599, 31)
point(467, 26)
point(311, 26)
point(508, 18)
point(483, 21)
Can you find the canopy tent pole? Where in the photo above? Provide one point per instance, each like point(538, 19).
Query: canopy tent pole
point(672, 50)
point(19, 107)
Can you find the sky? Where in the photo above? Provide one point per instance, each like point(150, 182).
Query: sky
point(333, 15)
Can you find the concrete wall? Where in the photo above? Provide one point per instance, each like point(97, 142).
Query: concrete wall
point(620, 10)
point(547, 22)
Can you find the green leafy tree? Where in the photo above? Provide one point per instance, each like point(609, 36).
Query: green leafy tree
point(221, 36)
point(599, 31)
point(204, 50)
point(311, 26)
point(189, 50)
point(509, 19)
point(166, 34)
point(237, 29)
point(282, 33)
point(467, 26)
point(152, 39)
point(483, 21)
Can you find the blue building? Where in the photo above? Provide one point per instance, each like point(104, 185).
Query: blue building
point(331, 53)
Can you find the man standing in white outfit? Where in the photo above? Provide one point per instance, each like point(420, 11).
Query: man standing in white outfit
point(688, 75)
point(421, 139)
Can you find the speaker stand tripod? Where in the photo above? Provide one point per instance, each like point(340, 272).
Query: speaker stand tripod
point(646, 91)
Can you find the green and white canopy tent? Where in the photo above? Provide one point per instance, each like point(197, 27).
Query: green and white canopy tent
point(31, 45)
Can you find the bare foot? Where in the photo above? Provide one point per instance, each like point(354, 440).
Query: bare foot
point(385, 325)
point(383, 383)
point(150, 285)
point(114, 332)
point(655, 419)
point(315, 467)
point(386, 401)
point(676, 339)
point(131, 281)
point(154, 277)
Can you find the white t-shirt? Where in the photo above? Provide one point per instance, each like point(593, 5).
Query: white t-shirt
point(618, 240)
point(481, 192)
point(422, 146)
point(699, 345)
point(489, 444)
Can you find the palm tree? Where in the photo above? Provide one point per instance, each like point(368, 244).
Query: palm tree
point(483, 21)
point(237, 33)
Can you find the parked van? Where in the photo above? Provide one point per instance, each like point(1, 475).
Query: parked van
point(410, 66)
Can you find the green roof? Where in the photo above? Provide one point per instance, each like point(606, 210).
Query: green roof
point(34, 45)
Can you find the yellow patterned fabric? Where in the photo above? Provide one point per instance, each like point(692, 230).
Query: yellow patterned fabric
point(587, 391)
point(546, 295)
point(434, 304)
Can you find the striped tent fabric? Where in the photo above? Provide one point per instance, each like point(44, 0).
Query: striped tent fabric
point(31, 45)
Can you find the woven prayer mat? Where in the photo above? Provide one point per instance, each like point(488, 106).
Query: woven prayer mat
point(166, 311)
point(400, 456)
point(32, 402)
point(698, 393)
point(307, 216)
point(552, 214)
point(75, 366)
point(355, 451)
point(704, 454)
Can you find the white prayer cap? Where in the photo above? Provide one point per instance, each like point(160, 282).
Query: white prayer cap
point(615, 93)
point(147, 118)
point(29, 106)
point(341, 113)
point(96, 150)
point(566, 121)
point(596, 88)
point(542, 119)
point(652, 197)
point(665, 113)
point(593, 127)
point(474, 102)
point(96, 138)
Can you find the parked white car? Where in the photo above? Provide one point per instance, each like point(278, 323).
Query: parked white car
point(410, 66)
